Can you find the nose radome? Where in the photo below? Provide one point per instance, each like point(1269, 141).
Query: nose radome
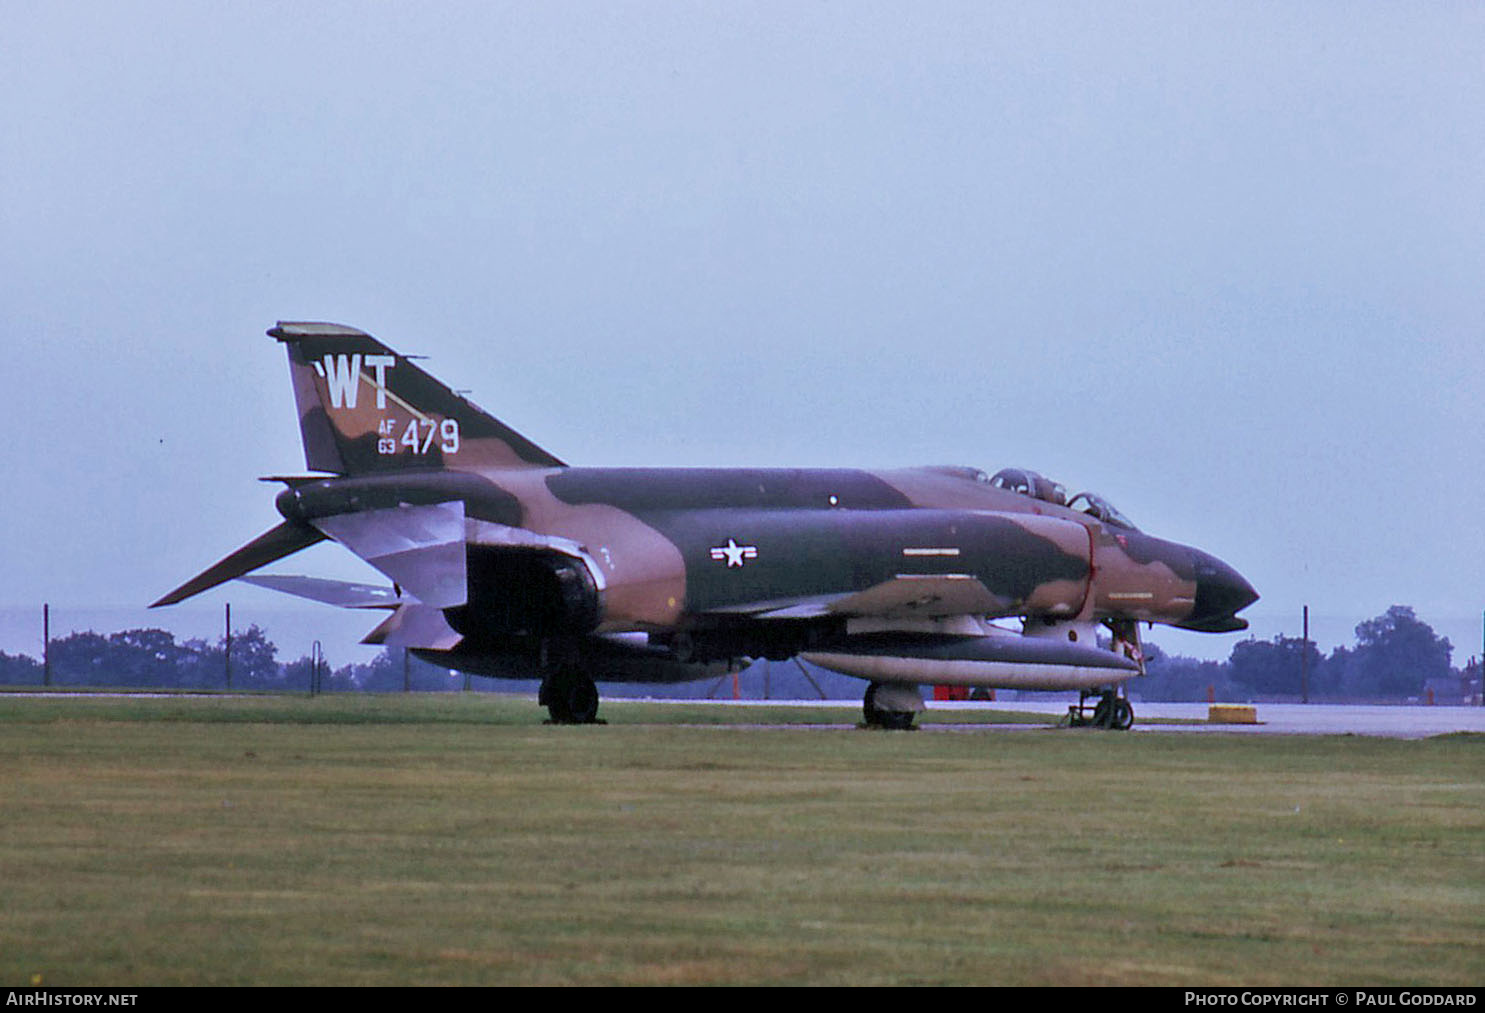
point(1221, 593)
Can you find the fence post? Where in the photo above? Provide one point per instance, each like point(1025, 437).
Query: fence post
point(46, 644)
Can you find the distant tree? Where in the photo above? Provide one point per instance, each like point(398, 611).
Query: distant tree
point(1395, 654)
point(151, 657)
point(140, 657)
point(20, 670)
point(340, 680)
point(296, 674)
point(82, 659)
point(201, 665)
point(349, 678)
point(384, 674)
point(1332, 680)
point(1272, 667)
point(1175, 677)
point(253, 664)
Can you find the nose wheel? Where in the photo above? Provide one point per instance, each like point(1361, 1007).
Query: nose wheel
point(1112, 712)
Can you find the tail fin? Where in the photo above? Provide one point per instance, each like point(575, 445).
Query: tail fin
point(363, 408)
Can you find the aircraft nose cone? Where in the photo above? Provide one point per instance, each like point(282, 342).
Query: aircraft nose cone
point(1221, 593)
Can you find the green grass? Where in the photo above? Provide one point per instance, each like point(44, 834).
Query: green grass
point(456, 840)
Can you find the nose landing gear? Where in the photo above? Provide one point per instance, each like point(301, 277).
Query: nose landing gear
point(1112, 712)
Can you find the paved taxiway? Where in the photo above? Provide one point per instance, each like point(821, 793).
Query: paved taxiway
point(1287, 718)
point(1411, 722)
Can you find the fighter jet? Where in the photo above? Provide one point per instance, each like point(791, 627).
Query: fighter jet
point(505, 561)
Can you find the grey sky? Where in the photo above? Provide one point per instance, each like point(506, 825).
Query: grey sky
point(1222, 263)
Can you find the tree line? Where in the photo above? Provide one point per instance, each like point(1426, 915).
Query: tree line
point(1396, 656)
point(153, 658)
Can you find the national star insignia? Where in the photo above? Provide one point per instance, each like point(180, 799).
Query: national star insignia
point(734, 553)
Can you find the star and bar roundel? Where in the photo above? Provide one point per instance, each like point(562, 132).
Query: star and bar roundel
point(733, 553)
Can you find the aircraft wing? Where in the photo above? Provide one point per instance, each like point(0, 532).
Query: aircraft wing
point(906, 596)
point(914, 596)
point(895, 647)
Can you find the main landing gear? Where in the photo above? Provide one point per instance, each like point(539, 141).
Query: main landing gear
point(1111, 712)
point(569, 696)
point(890, 706)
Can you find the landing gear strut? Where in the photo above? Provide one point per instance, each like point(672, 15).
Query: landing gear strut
point(878, 714)
point(1111, 712)
point(569, 696)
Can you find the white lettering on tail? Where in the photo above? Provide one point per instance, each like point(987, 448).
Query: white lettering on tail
point(342, 379)
point(380, 364)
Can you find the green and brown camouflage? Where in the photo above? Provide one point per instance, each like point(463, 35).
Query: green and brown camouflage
point(507, 561)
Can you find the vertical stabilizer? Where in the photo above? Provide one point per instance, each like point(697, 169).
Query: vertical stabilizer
point(363, 408)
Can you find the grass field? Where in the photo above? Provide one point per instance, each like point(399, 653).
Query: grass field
point(457, 840)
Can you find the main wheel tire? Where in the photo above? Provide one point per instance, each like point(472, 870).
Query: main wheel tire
point(876, 717)
point(898, 721)
point(582, 701)
point(571, 698)
point(1123, 715)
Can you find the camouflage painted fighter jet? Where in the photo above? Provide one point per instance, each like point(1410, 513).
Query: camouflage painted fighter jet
point(505, 561)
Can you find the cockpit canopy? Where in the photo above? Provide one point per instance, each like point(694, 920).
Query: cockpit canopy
point(1039, 487)
point(1096, 506)
point(1029, 483)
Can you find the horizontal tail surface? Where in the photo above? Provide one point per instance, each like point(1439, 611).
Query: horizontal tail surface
point(274, 544)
